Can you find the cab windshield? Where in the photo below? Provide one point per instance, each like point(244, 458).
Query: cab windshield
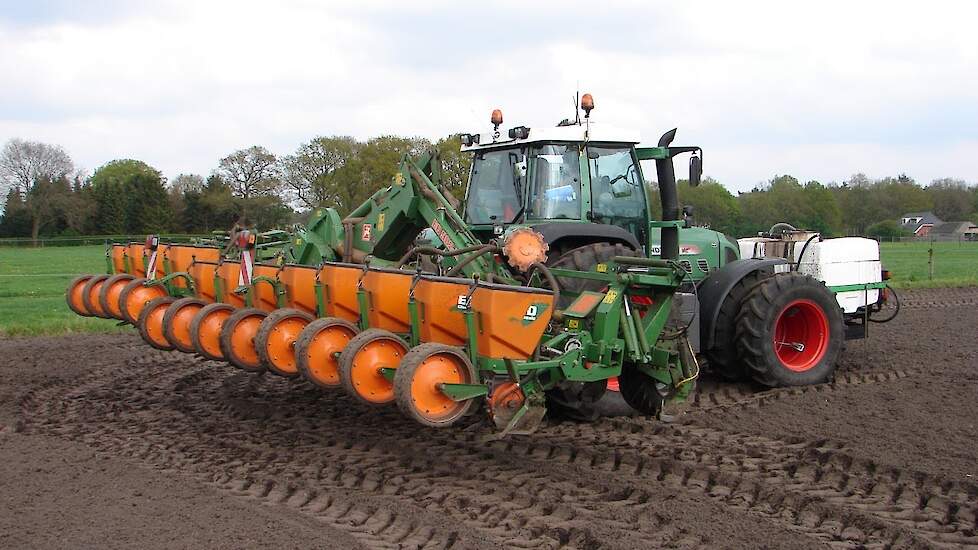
point(496, 187)
point(556, 190)
point(617, 196)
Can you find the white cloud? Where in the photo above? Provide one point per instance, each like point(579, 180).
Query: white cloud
point(819, 91)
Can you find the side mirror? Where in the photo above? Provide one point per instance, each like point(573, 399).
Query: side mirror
point(695, 170)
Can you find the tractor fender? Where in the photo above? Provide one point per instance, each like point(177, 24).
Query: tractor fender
point(584, 233)
point(714, 289)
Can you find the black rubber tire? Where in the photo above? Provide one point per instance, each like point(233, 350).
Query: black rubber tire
point(171, 312)
point(306, 339)
point(74, 282)
point(724, 357)
point(350, 353)
point(87, 289)
point(566, 401)
point(228, 330)
point(144, 314)
point(755, 329)
point(267, 326)
point(639, 391)
point(195, 329)
point(103, 294)
point(124, 295)
point(405, 377)
point(585, 258)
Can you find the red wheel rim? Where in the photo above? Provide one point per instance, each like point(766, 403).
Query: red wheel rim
point(801, 335)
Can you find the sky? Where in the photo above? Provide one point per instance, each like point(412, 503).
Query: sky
point(819, 91)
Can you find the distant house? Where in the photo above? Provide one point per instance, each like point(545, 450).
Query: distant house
point(919, 223)
point(955, 230)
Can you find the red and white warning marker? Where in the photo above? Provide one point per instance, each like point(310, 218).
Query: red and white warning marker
point(152, 244)
point(246, 241)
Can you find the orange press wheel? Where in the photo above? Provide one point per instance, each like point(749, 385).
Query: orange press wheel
point(108, 297)
point(318, 347)
point(238, 338)
point(73, 295)
point(135, 296)
point(417, 384)
point(275, 342)
point(205, 330)
point(361, 363)
point(90, 294)
point(176, 322)
point(150, 322)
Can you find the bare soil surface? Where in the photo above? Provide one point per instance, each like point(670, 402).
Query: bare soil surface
point(107, 443)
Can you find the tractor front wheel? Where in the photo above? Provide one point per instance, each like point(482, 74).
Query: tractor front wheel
point(417, 384)
point(790, 331)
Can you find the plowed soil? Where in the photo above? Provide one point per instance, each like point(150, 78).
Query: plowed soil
point(107, 443)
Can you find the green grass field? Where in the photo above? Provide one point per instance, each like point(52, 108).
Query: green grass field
point(33, 281)
point(32, 287)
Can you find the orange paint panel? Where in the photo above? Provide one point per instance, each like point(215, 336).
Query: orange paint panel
point(511, 319)
point(181, 256)
point(229, 272)
point(300, 282)
point(438, 300)
point(135, 252)
point(118, 258)
point(203, 275)
point(340, 281)
point(388, 291)
point(264, 296)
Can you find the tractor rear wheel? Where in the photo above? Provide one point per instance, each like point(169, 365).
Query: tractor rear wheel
point(361, 363)
point(150, 322)
point(108, 297)
point(318, 348)
point(134, 297)
point(238, 339)
point(790, 331)
point(205, 330)
point(176, 322)
point(74, 295)
point(90, 293)
point(580, 401)
point(275, 341)
point(723, 357)
point(417, 384)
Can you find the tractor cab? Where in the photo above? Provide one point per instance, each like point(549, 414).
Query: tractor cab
point(550, 178)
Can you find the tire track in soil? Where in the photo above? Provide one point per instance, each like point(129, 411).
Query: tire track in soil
point(500, 499)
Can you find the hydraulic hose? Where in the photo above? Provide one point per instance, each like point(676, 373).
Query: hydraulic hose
point(551, 280)
point(434, 252)
point(896, 311)
point(471, 258)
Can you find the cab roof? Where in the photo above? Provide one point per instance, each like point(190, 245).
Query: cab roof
point(573, 133)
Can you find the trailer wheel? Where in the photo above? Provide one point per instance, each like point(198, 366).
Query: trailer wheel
point(90, 293)
point(318, 347)
point(134, 297)
point(418, 379)
point(723, 357)
point(150, 322)
point(176, 322)
point(276, 338)
point(790, 331)
point(361, 361)
point(205, 330)
point(238, 339)
point(74, 295)
point(108, 297)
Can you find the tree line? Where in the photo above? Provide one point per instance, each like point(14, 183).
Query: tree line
point(858, 206)
point(45, 196)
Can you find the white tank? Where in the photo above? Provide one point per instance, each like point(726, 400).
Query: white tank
point(845, 261)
